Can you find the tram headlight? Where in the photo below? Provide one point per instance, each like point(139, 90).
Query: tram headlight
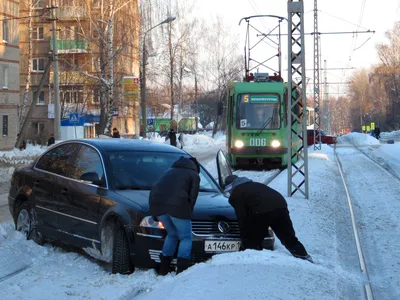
point(239, 144)
point(275, 143)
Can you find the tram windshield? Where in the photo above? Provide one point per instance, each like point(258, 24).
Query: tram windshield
point(258, 111)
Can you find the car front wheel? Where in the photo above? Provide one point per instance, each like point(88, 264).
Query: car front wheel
point(121, 262)
point(25, 222)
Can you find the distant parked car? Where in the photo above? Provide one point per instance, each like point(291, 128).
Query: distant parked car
point(93, 194)
point(325, 139)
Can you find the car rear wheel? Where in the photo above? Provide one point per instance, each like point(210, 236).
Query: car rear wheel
point(25, 222)
point(121, 262)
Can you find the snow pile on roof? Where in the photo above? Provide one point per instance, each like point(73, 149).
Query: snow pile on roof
point(357, 139)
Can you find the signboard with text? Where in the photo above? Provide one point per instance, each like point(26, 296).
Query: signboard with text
point(131, 89)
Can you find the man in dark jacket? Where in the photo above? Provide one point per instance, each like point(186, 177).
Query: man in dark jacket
point(172, 200)
point(51, 140)
point(172, 137)
point(258, 207)
point(115, 133)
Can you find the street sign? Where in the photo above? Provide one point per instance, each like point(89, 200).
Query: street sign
point(150, 122)
point(74, 118)
point(115, 112)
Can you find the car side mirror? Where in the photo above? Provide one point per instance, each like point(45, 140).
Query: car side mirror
point(91, 177)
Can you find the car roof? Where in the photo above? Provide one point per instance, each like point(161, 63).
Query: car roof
point(129, 144)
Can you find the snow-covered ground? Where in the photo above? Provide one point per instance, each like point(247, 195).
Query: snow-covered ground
point(322, 224)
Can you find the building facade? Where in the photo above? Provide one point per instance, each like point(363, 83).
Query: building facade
point(79, 39)
point(9, 73)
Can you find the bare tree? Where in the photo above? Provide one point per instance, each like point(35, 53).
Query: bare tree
point(112, 32)
point(30, 6)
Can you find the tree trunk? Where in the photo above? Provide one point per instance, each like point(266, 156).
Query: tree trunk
point(28, 80)
point(110, 58)
point(171, 66)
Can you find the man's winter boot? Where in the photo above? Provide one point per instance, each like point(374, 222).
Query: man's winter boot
point(182, 265)
point(164, 266)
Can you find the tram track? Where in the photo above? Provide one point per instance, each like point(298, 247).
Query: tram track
point(367, 285)
point(361, 258)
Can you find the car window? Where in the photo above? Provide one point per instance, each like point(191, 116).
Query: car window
point(59, 160)
point(87, 160)
point(143, 169)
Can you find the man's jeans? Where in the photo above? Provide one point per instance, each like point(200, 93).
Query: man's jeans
point(178, 231)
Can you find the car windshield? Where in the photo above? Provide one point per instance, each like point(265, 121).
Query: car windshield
point(140, 170)
point(256, 111)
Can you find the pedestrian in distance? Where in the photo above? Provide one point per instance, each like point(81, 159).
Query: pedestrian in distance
point(115, 133)
point(172, 199)
point(172, 137)
point(377, 133)
point(181, 139)
point(51, 140)
point(258, 207)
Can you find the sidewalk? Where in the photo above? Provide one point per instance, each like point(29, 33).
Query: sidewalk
point(4, 211)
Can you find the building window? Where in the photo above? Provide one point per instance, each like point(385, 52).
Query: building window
point(5, 77)
point(5, 125)
point(72, 96)
point(38, 33)
point(39, 4)
point(5, 31)
point(96, 96)
point(96, 64)
point(38, 64)
point(37, 128)
point(41, 98)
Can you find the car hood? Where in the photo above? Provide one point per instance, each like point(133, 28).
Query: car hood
point(209, 205)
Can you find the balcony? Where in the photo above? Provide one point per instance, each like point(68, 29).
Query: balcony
point(72, 78)
point(71, 13)
point(70, 46)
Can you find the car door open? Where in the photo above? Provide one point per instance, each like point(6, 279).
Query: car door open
point(223, 167)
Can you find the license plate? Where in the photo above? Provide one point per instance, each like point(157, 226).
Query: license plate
point(222, 246)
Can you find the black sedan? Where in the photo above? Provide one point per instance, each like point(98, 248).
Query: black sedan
point(93, 194)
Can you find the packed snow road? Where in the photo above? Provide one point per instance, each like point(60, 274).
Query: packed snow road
point(375, 196)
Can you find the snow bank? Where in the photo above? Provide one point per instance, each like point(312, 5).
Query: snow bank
point(394, 135)
point(357, 139)
point(17, 156)
point(195, 141)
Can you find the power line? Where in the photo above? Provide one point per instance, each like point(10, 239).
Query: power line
point(323, 33)
point(358, 25)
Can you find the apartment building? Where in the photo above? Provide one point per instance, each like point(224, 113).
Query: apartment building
point(9, 73)
point(79, 39)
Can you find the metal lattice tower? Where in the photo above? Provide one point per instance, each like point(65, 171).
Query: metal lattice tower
point(317, 116)
point(298, 171)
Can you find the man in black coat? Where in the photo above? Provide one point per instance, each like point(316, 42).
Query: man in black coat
point(172, 199)
point(115, 133)
point(51, 140)
point(172, 137)
point(258, 207)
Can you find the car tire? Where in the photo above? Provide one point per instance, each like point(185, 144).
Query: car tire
point(25, 221)
point(121, 261)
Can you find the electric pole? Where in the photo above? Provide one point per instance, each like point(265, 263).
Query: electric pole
point(297, 121)
point(57, 106)
point(317, 116)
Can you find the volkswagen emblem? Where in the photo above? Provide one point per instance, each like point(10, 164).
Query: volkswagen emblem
point(223, 227)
